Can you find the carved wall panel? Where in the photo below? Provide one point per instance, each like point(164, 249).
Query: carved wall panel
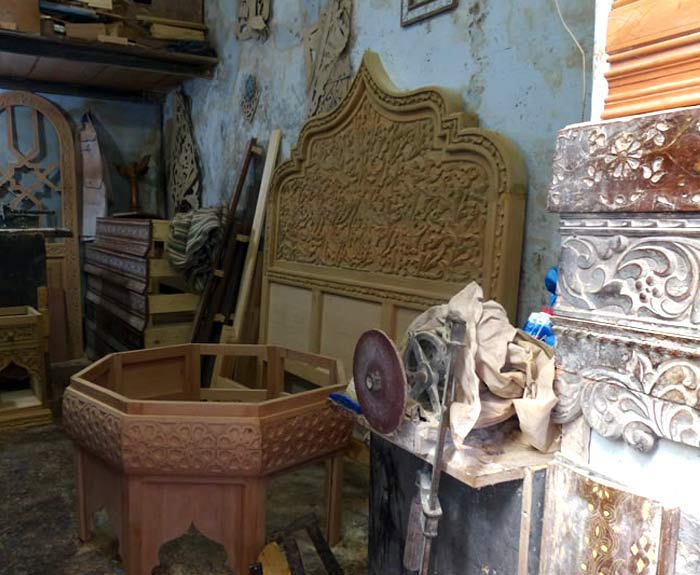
point(593, 527)
point(393, 198)
point(628, 313)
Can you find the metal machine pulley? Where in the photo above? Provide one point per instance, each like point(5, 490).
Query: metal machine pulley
point(426, 361)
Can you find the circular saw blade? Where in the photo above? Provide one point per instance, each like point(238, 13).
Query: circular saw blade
point(380, 381)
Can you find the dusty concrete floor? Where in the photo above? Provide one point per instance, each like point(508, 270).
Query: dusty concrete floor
point(38, 524)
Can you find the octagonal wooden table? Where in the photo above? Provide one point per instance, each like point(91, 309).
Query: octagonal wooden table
point(160, 454)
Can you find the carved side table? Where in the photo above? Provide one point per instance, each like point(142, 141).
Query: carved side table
point(160, 454)
point(22, 343)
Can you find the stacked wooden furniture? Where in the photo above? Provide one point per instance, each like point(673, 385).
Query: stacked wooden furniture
point(135, 298)
point(161, 454)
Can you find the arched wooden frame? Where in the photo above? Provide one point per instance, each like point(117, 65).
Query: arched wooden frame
point(62, 258)
point(389, 204)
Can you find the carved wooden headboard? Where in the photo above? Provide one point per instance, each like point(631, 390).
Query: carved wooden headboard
point(389, 204)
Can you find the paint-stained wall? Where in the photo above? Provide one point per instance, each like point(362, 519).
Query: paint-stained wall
point(512, 62)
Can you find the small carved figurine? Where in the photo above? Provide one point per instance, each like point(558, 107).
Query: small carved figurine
point(134, 172)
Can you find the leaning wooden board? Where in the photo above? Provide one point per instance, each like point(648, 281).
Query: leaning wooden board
point(389, 204)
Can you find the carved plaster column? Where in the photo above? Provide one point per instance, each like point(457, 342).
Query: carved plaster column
point(628, 315)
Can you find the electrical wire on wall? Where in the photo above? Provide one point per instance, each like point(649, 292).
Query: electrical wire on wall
point(583, 59)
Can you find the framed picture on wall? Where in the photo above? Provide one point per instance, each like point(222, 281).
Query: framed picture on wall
point(413, 11)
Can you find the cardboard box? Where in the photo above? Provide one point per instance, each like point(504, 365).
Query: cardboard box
point(20, 15)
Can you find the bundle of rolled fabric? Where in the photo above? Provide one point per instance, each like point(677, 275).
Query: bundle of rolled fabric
point(193, 243)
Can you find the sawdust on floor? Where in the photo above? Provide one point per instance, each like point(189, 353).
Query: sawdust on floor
point(38, 528)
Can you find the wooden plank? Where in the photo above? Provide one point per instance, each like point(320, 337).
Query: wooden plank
point(275, 372)
point(644, 22)
point(166, 32)
point(172, 303)
point(240, 395)
point(273, 148)
point(157, 336)
point(524, 547)
point(16, 65)
point(148, 19)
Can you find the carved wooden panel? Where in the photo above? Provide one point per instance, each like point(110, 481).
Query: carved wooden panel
point(327, 56)
point(628, 312)
point(593, 527)
point(652, 49)
point(28, 180)
point(393, 200)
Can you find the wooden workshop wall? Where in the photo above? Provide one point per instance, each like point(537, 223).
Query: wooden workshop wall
point(513, 63)
point(128, 130)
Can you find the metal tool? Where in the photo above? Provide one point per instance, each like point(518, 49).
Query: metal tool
point(429, 482)
point(380, 381)
point(428, 373)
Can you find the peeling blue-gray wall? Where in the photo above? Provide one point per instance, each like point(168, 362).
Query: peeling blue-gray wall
point(513, 63)
point(127, 130)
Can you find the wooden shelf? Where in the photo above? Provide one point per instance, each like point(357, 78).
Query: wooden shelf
point(61, 65)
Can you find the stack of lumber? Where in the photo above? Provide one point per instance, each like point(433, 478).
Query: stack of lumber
point(135, 298)
point(167, 24)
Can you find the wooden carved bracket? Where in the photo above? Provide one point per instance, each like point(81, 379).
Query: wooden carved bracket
point(628, 313)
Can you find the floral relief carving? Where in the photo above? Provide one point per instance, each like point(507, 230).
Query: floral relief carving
point(641, 164)
point(644, 277)
point(402, 185)
point(382, 224)
point(631, 393)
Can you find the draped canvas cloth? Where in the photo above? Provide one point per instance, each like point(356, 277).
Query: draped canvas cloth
point(505, 371)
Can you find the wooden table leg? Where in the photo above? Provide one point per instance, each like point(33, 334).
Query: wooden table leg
point(253, 523)
point(84, 520)
point(334, 499)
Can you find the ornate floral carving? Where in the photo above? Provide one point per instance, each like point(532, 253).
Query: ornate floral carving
point(644, 164)
point(628, 384)
point(93, 425)
point(197, 447)
point(653, 277)
point(398, 185)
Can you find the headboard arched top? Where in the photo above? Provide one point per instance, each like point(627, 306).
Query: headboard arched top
point(396, 197)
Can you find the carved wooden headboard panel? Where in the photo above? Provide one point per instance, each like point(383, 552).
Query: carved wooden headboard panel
point(388, 205)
